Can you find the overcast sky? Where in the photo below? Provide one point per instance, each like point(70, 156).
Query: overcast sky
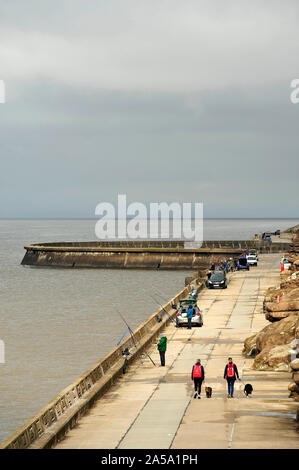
point(162, 100)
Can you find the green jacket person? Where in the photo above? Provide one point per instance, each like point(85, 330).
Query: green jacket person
point(162, 346)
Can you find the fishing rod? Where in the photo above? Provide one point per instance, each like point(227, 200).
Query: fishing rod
point(133, 339)
point(160, 294)
point(125, 352)
point(163, 310)
point(166, 299)
point(163, 296)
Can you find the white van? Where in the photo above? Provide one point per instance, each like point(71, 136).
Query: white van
point(252, 260)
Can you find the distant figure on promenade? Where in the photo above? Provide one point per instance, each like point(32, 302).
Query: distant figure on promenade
point(189, 316)
point(162, 346)
point(225, 266)
point(193, 294)
point(220, 265)
point(230, 375)
point(230, 265)
point(197, 375)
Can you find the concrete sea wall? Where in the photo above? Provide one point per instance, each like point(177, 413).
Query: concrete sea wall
point(53, 421)
point(139, 255)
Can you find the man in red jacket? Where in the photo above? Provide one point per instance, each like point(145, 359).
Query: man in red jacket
point(197, 375)
point(231, 374)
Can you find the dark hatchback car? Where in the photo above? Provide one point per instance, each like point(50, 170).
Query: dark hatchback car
point(243, 264)
point(266, 236)
point(217, 279)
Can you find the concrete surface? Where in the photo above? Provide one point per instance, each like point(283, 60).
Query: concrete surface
point(141, 255)
point(153, 407)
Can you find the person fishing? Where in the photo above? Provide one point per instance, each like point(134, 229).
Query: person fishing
point(197, 375)
point(162, 346)
point(194, 293)
point(190, 312)
point(230, 375)
point(126, 354)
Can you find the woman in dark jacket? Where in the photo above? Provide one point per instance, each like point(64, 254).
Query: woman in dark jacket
point(197, 375)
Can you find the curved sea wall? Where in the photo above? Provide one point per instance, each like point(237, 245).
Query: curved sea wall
point(139, 255)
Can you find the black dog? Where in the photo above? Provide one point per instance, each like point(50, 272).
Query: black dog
point(208, 392)
point(248, 389)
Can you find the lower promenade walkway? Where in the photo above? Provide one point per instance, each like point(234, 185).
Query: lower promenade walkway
point(153, 407)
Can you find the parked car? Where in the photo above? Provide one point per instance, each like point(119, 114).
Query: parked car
point(217, 279)
point(252, 260)
point(266, 235)
point(242, 264)
point(252, 251)
point(181, 316)
point(277, 232)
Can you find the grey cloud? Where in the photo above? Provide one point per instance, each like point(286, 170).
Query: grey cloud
point(158, 46)
point(70, 150)
point(152, 101)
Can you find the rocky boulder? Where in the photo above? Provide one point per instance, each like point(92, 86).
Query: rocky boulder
point(283, 292)
point(277, 316)
point(283, 306)
point(294, 365)
point(250, 346)
point(274, 358)
point(291, 294)
point(289, 284)
point(293, 387)
point(277, 333)
point(296, 377)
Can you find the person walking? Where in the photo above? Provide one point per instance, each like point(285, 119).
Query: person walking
point(162, 346)
point(225, 265)
point(197, 375)
point(189, 316)
point(230, 375)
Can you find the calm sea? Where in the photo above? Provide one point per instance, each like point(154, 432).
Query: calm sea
point(56, 323)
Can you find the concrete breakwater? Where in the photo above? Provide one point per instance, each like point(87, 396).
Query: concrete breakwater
point(139, 254)
point(53, 421)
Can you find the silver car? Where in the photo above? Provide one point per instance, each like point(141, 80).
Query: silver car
point(252, 260)
point(181, 316)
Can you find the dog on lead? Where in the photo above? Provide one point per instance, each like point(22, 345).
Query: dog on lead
point(208, 391)
point(248, 389)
